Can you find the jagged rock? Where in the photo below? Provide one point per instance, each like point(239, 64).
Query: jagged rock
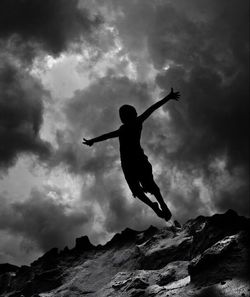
point(64, 252)
point(146, 282)
point(22, 276)
point(24, 269)
point(219, 261)
point(125, 237)
point(207, 231)
point(6, 267)
point(146, 235)
point(7, 272)
point(5, 282)
point(137, 283)
point(164, 248)
point(174, 271)
point(207, 257)
point(83, 244)
point(47, 261)
point(51, 254)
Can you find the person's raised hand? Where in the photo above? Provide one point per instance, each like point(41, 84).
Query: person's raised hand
point(174, 95)
point(88, 142)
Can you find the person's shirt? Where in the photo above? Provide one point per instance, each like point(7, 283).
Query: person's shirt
point(129, 138)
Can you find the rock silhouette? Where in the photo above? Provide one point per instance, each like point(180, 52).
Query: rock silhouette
point(207, 257)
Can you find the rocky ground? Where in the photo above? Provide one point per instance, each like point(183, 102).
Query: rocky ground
point(207, 257)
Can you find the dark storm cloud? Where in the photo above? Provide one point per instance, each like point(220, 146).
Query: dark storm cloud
point(21, 110)
point(205, 44)
point(212, 119)
point(52, 26)
point(92, 112)
point(120, 214)
point(120, 210)
point(237, 200)
point(207, 55)
point(95, 111)
point(103, 99)
point(27, 28)
point(213, 73)
point(43, 220)
point(188, 204)
point(209, 65)
point(213, 76)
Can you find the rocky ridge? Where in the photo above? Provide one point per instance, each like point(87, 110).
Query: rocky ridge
point(208, 256)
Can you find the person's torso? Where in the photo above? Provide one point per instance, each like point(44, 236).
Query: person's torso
point(129, 138)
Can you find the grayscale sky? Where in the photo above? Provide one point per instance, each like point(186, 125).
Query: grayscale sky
point(66, 66)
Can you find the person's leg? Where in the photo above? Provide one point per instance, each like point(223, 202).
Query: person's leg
point(154, 190)
point(165, 209)
point(154, 205)
point(131, 177)
point(148, 184)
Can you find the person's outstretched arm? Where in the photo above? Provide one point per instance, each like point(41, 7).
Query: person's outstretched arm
point(172, 95)
point(103, 137)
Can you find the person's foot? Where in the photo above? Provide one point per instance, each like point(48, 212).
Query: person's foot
point(167, 213)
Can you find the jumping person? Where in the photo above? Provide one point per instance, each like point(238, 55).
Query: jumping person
point(135, 165)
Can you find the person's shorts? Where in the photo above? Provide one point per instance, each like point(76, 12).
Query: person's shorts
point(139, 176)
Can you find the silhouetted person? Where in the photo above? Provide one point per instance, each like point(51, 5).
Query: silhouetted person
point(135, 164)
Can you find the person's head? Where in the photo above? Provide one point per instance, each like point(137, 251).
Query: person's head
point(127, 113)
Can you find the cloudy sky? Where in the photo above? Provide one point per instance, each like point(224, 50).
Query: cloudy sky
point(66, 66)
